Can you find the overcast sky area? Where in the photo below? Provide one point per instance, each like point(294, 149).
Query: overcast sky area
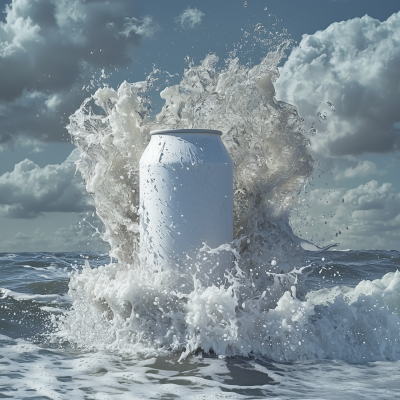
point(342, 73)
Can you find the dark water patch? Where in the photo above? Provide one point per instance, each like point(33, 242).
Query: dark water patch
point(23, 319)
point(49, 287)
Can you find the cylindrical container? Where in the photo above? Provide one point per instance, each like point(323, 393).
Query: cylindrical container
point(186, 200)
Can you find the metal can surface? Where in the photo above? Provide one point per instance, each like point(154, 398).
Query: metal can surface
point(186, 200)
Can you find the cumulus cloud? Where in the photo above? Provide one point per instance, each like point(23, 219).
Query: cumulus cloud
point(190, 18)
point(367, 216)
point(29, 190)
point(362, 169)
point(346, 78)
point(144, 27)
point(38, 116)
point(47, 46)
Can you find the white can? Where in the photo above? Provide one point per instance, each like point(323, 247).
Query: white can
point(186, 200)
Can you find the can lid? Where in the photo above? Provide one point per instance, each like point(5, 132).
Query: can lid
point(172, 131)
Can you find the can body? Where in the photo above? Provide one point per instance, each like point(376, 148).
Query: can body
point(186, 200)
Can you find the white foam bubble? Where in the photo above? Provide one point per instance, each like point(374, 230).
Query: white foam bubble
point(40, 298)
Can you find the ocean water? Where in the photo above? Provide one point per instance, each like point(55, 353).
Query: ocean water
point(362, 287)
point(290, 320)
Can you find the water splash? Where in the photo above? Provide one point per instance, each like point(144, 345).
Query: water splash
point(262, 307)
point(331, 106)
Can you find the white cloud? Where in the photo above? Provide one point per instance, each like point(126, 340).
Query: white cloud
point(18, 30)
point(190, 18)
point(22, 236)
point(47, 48)
point(29, 190)
point(53, 101)
point(367, 216)
point(44, 43)
point(355, 65)
point(145, 27)
point(362, 169)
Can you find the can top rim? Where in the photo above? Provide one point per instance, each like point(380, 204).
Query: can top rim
point(172, 131)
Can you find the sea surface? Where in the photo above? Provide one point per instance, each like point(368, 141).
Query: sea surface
point(34, 291)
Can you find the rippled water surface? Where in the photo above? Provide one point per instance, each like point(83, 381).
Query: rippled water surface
point(34, 287)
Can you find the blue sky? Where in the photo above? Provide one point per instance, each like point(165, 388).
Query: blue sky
point(50, 49)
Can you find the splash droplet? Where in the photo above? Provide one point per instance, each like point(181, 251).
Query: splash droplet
point(313, 131)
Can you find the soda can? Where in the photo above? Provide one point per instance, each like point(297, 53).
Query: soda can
point(186, 201)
